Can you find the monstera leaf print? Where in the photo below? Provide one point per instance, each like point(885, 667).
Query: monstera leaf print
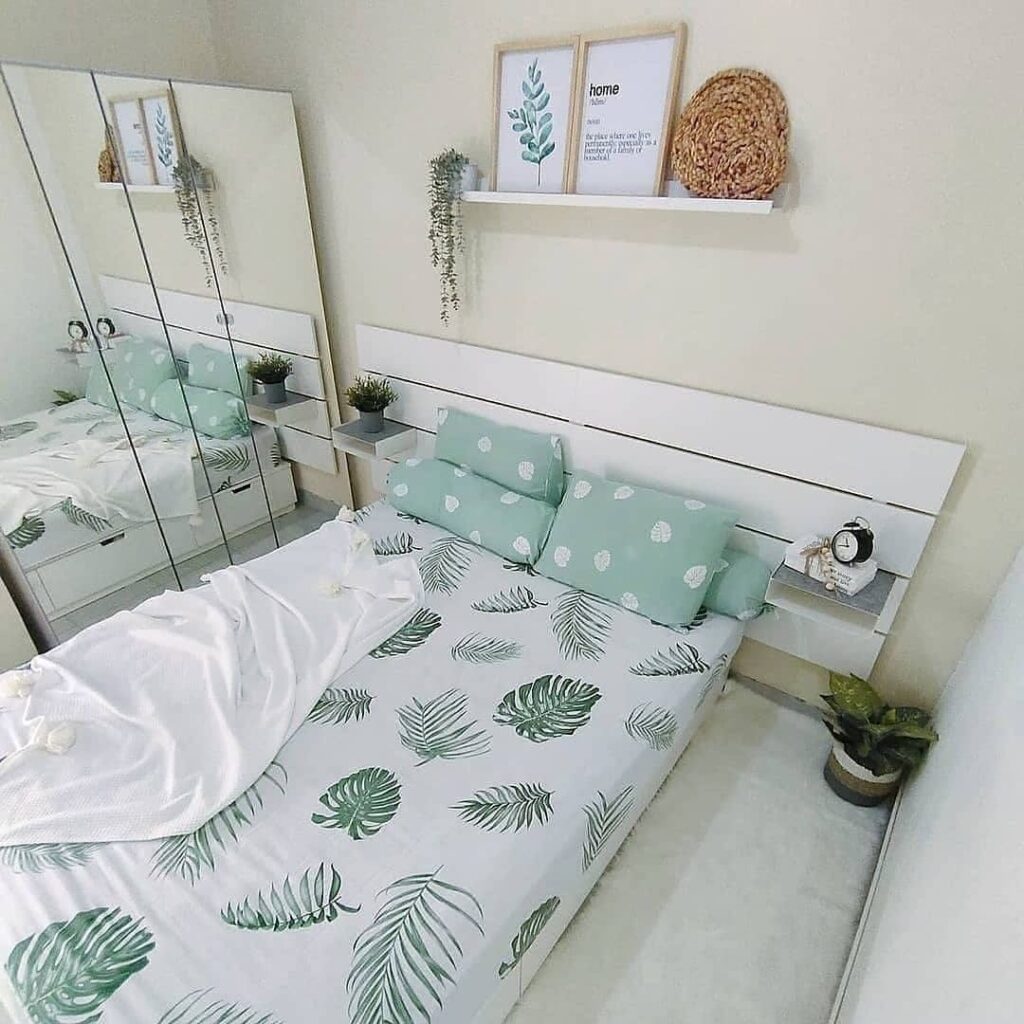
point(410, 636)
point(189, 855)
point(502, 808)
point(603, 818)
point(315, 899)
point(652, 725)
point(361, 803)
point(65, 973)
point(403, 960)
point(547, 708)
point(580, 623)
point(517, 599)
point(528, 932)
point(9, 431)
point(444, 565)
point(437, 728)
point(36, 857)
point(680, 659)
point(335, 706)
point(396, 544)
point(227, 458)
point(197, 1008)
point(485, 650)
point(28, 531)
point(79, 517)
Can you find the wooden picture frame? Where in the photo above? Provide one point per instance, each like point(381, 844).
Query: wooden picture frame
point(637, 68)
point(525, 73)
point(135, 157)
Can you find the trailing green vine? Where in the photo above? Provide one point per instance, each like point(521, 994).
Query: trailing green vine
point(190, 180)
point(446, 243)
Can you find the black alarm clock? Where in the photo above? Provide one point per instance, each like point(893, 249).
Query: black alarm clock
point(105, 327)
point(77, 331)
point(854, 542)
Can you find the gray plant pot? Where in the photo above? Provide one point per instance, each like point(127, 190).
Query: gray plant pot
point(372, 422)
point(275, 392)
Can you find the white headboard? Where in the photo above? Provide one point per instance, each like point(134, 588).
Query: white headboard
point(198, 318)
point(787, 472)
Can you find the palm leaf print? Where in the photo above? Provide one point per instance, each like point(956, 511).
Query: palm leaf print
point(501, 808)
point(9, 431)
point(695, 623)
point(680, 659)
point(652, 725)
point(275, 455)
point(444, 565)
point(28, 531)
point(410, 636)
point(435, 728)
point(720, 666)
point(547, 708)
point(518, 599)
point(528, 932)
point(361, 803)
point(580, 623)
point(36, 857)
point(402, 961)
point(485, 650)
point(314, 900)
point(398, 544)
point(79, 517)
point(519, 567)
point(190, 854)
point(195, 1008)
point(228, 458)
point(65, 973)
point(336, 706)
point(603, 818)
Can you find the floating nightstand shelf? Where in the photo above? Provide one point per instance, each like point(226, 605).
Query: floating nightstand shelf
point(296, 409)
point(798, 593)
point(393, 439)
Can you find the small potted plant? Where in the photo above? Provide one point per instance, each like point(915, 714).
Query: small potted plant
point(873, 743)
point(451, 174)
point(371, 396)
point(269, 370)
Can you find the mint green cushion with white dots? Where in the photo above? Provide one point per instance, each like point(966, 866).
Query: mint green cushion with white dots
point(523, 461)
point(651, 552)
point(738, 586)
point(137, 368)
point(470, 506)
point(214, 368)
point(213, 413)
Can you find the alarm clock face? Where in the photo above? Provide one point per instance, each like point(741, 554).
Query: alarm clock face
point(105, 327)
point(77, 331)
point(845, 546)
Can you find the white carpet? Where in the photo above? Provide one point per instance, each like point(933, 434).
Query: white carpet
point(736, 897)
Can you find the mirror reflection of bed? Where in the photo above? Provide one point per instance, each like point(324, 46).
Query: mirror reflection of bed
point(129, 463)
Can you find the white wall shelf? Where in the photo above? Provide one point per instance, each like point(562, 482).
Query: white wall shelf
point(692, 204)
point(393, 439)
point(294, 409)
point(116, 186)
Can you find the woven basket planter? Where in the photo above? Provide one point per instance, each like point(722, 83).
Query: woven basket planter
point(731, 139)
point(855, 783)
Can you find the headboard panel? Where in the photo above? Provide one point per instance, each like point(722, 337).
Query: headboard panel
point(787, 472)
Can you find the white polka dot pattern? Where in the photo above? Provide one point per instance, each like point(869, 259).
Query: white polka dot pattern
point(474, 536)
point(629, 601)
point(526, 470)
point(522, 545)
point(451, 503)
point(561, 555)
point(510, 498)
point(400, 490)
point(694, 505)
point(661, 532)
point(581, 489)
point(695, 576)
point(602, 560)
point(623, 492)
point(484, 444)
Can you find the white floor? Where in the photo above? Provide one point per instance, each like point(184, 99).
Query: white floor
point(737, 895)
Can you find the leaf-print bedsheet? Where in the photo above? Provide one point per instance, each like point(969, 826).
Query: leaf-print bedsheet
point(414, 849)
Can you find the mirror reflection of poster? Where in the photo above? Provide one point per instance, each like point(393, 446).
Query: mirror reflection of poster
point(628, 86)
point(534, 85)
point(130, 126)
point(163, 138)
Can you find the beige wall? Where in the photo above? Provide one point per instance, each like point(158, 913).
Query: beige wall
point(898, 257)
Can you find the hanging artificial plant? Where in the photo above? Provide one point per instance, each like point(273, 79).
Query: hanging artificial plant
point(200, 222)
point(446, 224)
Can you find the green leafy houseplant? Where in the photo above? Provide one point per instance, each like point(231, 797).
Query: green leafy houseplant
point(270, 369)
point(445, 235)
point(199, 221)
point(371, 396)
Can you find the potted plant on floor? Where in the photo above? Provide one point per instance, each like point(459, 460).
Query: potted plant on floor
point(873, 743)
point(269, 370)
point(371, 396)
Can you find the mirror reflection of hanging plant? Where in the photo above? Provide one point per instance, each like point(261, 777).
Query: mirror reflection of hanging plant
point(445, 233)
point(192, 181)
point(531, 122)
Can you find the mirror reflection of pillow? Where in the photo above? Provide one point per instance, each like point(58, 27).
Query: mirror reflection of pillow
point(137, 367)
point(213, 368)
point(214, 413)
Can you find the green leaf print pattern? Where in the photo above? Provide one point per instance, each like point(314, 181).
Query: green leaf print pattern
point(335, 706)
point(435, 728)
point(603, 818)
point(410, 636)
point(403, 960)
point(227, 458)
point(528, 932)
point(190, 854)
point(396, 544)
point(79, 517)
point(502, 808)
point(652, 725)
point(580, 623)
point(549, 707)
point(36, 857)
point(485, 650)
point(361, 803)
point(65, 973)
point(28, 531)
point(195, 1008)
point(314, 900)
point(531, 123)
point(517, 599)
point(714, 678)
point(444, 565)
point(680, 659)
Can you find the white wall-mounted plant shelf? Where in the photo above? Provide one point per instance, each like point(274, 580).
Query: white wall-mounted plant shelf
point(692, 204)
point(294, 409)
point(806, 597)
point(392, 440)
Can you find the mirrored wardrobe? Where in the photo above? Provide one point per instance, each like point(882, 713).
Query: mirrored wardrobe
point(157, 264)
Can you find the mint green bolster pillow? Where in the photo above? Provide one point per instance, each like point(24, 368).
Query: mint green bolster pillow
point(470, 506)
point(521, 460)
point(137, 368)
point(213, 413)
point(651, 552)
point(214, 368)
point(738, 588)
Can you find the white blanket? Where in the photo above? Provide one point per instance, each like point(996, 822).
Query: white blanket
point(102, 478)
point(147, 724)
